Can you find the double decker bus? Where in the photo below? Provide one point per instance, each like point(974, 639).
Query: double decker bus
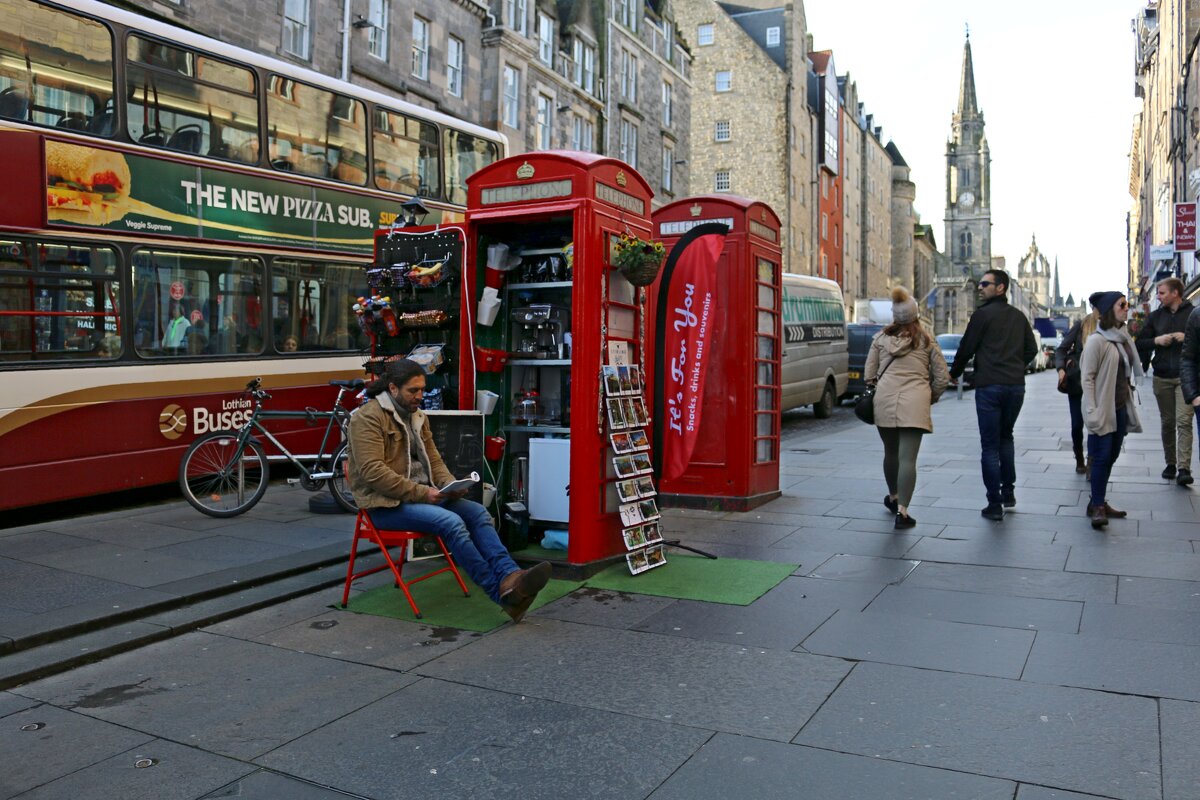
point(177, 217)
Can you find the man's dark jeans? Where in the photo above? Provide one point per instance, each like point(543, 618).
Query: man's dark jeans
point(997, 407)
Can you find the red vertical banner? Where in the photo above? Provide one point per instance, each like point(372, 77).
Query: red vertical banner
point(1185, 227)
point(686, 316)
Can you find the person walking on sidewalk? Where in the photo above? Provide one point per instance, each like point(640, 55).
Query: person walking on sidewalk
point(909, 373)
point(1001, 341)
point(1161, 340)
point(1109, 367)
point(394, 471)
point(1189, 362)
point(1066, 359)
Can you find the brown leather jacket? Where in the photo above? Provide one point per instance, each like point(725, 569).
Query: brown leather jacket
point(379, 457)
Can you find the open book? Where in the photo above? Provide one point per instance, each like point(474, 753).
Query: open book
point(460, 485)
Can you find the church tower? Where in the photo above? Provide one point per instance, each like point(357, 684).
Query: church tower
point(968, 182)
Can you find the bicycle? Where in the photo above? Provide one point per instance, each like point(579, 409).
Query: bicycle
point(225, 473)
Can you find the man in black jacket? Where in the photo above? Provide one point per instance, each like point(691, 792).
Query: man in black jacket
point(1161, 339)
point(1001, 341)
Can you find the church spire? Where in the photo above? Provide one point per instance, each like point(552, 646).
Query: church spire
point(968, 106)
point(1058, 298)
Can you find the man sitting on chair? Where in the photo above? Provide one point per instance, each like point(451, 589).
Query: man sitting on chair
point(395, 470)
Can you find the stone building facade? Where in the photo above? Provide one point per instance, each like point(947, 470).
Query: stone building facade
point(751, 131)
point(1035, 275)
point(903, 222)
point(877, 211)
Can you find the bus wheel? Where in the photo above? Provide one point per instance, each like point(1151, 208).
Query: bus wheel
point(824, 407)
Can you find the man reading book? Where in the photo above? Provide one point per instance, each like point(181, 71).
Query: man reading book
point(395, 469)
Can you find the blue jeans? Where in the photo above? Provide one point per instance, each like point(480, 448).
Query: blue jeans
point(997, 407)
point(467, 531)
point(1103, 451)
point(1075, 402)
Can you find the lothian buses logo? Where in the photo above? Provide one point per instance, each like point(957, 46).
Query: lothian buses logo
point(172, 422)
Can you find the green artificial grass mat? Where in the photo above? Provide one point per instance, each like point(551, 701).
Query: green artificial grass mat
point(442, 603)
point(732, 581)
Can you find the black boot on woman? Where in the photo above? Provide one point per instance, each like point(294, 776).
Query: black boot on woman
point(1080, 463)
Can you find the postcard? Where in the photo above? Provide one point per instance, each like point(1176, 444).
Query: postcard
point(648, 510)
point(634, 537)
point(629, 411)
point(612, 383)
point(631, 514)
point(621, 442)
point(641, 463)
point(637, 562)
point(640, 414)
point(635, 379)
point(626, 382)
point(624, 466)
point(645, 486)
point(639, 440)
point(616, 416)
point(655, 557)
point(652, 532)
point(627, 491)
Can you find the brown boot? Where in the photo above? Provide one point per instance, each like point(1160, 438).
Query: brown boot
point(1112, 513)
point(518, 589)
point(1098, 517)
point(1081, 467)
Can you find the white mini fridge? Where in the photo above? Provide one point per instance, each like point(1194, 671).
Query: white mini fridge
point(549, 476)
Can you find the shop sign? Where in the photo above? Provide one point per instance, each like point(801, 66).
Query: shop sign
point(133, 193)
point(616, 197)
point(1185, 227)
point(683, 226)
point(685, 317)
point(525, 192)
point(1162, 252)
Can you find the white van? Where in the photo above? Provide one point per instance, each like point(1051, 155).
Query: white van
point(815, 370)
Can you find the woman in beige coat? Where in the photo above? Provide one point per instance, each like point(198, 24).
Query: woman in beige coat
point(1109, 366)
point(910, 374)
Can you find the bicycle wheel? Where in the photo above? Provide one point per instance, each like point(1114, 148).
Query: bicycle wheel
point(339, 484)
point(221, 480)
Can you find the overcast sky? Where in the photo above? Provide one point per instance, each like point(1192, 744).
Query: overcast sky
point(1054, 80)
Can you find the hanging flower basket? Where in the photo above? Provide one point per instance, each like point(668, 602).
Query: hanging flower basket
point(638, 260)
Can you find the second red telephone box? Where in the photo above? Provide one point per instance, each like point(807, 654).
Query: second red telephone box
point(736, 466)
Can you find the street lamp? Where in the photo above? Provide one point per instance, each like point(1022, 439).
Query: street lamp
point(415, 211)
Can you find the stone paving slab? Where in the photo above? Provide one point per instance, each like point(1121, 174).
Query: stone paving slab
point(34, 588)
point(1072, 739)
point(739, 766)
point(1153, 669)
point(1027, 792)
point(1141, 624)
point(437, 740)
point(12, 703)
point(56, 743)
point(979, 609)
point(177, 773)
point(1175, 566)
point(861, 568)
point(710, 685)
point(131, 566)
point(135, 533)
point(931, 644)
point(266, 785)
point(1121, 542)
point(1015, 582)
point(605, 608)
point(780, 619)
point(726, 531)
point(229, 697)
point(1181, 748)
point(994, 551)
point(225, 550)
point(1159, 593)
point(884, 545)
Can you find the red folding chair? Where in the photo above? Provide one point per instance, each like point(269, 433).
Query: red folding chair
point(364, 528)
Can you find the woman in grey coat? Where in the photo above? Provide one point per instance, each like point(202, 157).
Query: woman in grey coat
point(909, 373)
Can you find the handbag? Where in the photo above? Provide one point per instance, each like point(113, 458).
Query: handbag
point(864, 406)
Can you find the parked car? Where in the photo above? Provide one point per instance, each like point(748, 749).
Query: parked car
point(813, 369)
point(949, 342)
point(1039, 362)
point(859, 336)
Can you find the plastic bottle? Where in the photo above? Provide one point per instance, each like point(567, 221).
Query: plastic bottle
point(388, 316)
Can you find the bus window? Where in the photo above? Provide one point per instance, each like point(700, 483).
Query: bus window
point(56, 69)
point(311, 305)
point(316, 132)
point(191, 102)
point(465, 155)
point(188, 304)
point(58, 279)
point(406, 155)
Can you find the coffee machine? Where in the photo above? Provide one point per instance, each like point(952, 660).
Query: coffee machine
point(539, 330)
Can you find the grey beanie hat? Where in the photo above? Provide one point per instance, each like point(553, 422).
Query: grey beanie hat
point(904, 308)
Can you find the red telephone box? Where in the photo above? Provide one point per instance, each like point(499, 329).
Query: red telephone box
point(736, 467)
point(541, 229)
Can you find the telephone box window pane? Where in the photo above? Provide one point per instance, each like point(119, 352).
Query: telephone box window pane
point(766, 347)
point(764, 450)
point(766, 400)
point(766, 297)
point(764, 424)
point(766, 322)
point(620, 290)
point(766, 271)
point(622, 322)
point(765, 374)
